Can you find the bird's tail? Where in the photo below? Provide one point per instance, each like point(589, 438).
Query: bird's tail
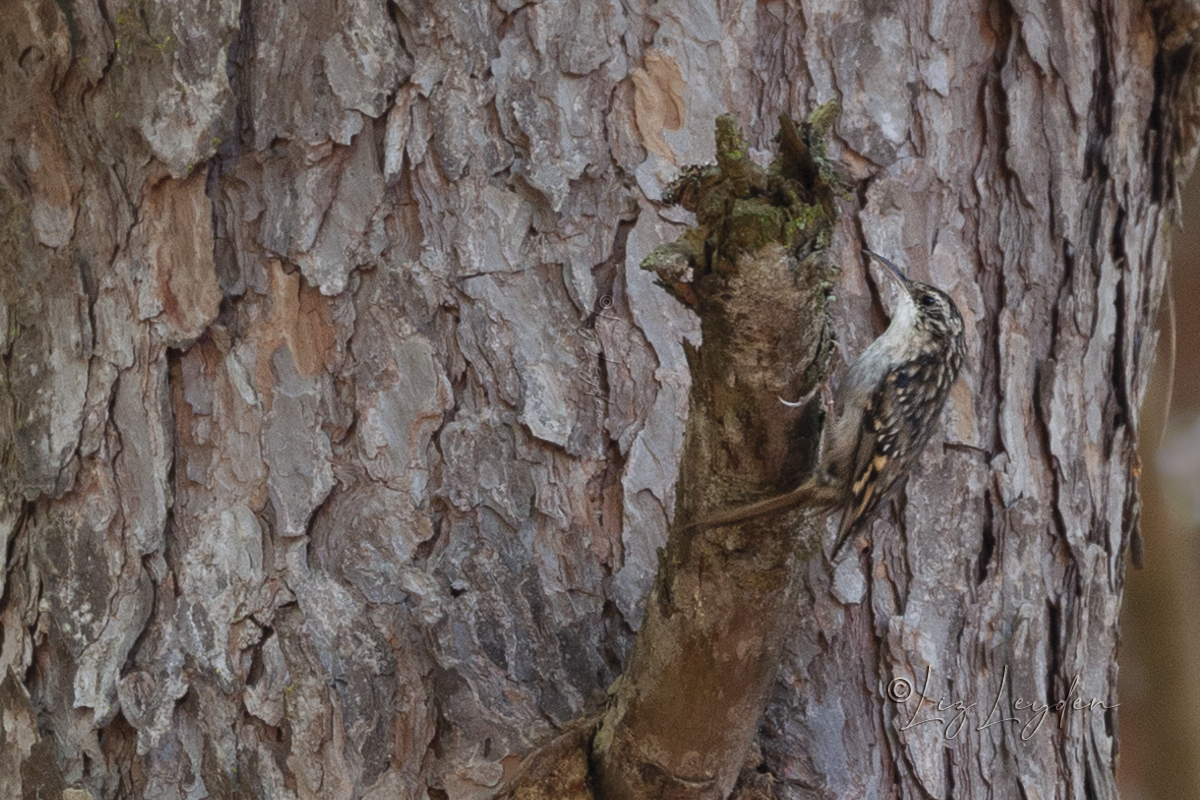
point(810, 493)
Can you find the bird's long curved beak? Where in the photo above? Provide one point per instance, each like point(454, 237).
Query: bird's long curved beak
point(904, 280)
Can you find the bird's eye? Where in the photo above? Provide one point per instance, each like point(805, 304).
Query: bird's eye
point(928, 300)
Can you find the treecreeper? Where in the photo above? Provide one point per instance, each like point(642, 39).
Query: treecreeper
point(889, 403)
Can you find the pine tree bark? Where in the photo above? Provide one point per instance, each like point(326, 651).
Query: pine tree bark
point(340, 428)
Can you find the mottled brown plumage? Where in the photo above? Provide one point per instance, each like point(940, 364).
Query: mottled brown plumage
point(889, 403)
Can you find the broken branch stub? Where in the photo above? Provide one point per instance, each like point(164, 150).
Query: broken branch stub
point(754, 268)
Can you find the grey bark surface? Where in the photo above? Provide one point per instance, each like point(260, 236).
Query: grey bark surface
point(339, 428)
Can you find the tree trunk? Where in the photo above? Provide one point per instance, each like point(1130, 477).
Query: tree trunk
point(340, 429)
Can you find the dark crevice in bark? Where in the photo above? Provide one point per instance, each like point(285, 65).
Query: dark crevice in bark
point(898, 507)
point(148, 632)
point(311, 544)
point(988, 546)
point(897, 775)
point(616, 631)
point(1053, 645)
point(994, 115)
point(1043, 396)
point(1131, 518)
point(1089, 783)
point(1064, 287)
point(899, 578)
point(1170, 130)
point(992, 282)
point(1095, 160)
point(118, 743)
point(10, 560)
point(996, 112)
point(426, 550)
point(240, 50)
point(1119, 379)
point(1119, 412)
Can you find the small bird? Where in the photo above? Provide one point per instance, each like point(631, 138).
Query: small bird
point(889, 402)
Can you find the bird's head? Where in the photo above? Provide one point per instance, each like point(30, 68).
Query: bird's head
point(925, 307)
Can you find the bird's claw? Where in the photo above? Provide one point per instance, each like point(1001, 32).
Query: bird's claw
point(826, 397)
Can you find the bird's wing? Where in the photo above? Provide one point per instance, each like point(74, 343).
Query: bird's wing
point(870, 478)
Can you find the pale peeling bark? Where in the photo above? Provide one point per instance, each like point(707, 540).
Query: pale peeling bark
point(340, 429)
